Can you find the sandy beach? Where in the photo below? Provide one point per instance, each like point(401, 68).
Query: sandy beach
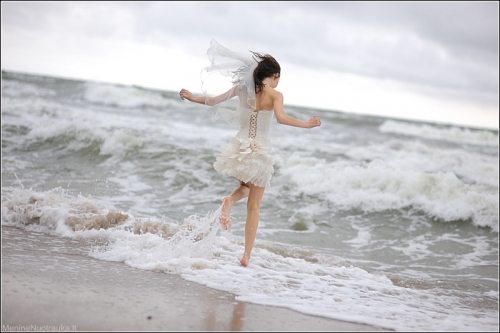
point(45, 286)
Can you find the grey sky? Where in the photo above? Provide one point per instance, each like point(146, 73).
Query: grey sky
point(444, 50)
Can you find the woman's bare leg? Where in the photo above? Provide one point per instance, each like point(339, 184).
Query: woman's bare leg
point(239, 193)
point(252, 222)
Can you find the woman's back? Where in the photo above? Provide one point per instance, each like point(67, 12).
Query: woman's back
point(264, 100)
point(255, 125)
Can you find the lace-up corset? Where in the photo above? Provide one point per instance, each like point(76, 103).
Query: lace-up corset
point(256, 125)
point(252, 129)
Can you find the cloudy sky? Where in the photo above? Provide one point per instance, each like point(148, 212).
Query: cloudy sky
point(431, 61)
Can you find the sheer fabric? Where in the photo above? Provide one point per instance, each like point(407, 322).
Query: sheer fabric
point(228, 67)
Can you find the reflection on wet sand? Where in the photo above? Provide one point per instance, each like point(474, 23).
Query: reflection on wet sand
point(236, 319)
point(238, 313)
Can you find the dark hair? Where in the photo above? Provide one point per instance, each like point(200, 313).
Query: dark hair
point(267, 67)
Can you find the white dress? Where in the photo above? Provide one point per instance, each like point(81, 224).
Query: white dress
point(247, 157)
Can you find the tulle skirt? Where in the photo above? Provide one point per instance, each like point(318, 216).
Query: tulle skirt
point(247, 160)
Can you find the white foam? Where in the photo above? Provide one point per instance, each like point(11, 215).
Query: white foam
point(334, 291)
point(48, 210)
point(376, 187)
point(278, 275)
point(452, 134)
point(417, 156)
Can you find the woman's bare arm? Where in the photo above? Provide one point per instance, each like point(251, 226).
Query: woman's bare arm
point(282, 118)
point(211, 101)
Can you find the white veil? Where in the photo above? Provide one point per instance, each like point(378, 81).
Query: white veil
point(228, 67)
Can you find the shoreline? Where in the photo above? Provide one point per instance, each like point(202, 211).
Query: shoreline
point(50, 283)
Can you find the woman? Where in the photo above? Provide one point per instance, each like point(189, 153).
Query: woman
point(247, 157)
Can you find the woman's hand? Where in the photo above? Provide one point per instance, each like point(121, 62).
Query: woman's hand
point(314, 121)
point(186, 94)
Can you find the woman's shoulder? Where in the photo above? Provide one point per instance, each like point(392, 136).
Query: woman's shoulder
point(277, 95)
point(274, 93)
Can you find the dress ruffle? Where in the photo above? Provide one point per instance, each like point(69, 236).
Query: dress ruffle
point(247, 160)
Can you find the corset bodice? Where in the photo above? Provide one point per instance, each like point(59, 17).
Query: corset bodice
point(256, 125)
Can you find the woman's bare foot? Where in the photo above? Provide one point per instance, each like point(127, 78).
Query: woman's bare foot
point(224, 217)
point(244, 261)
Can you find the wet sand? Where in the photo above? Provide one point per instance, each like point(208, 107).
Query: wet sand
point(50, 283)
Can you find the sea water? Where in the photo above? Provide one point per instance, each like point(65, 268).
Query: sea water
point(386, 222)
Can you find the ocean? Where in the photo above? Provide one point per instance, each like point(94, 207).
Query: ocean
point(386, 222)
